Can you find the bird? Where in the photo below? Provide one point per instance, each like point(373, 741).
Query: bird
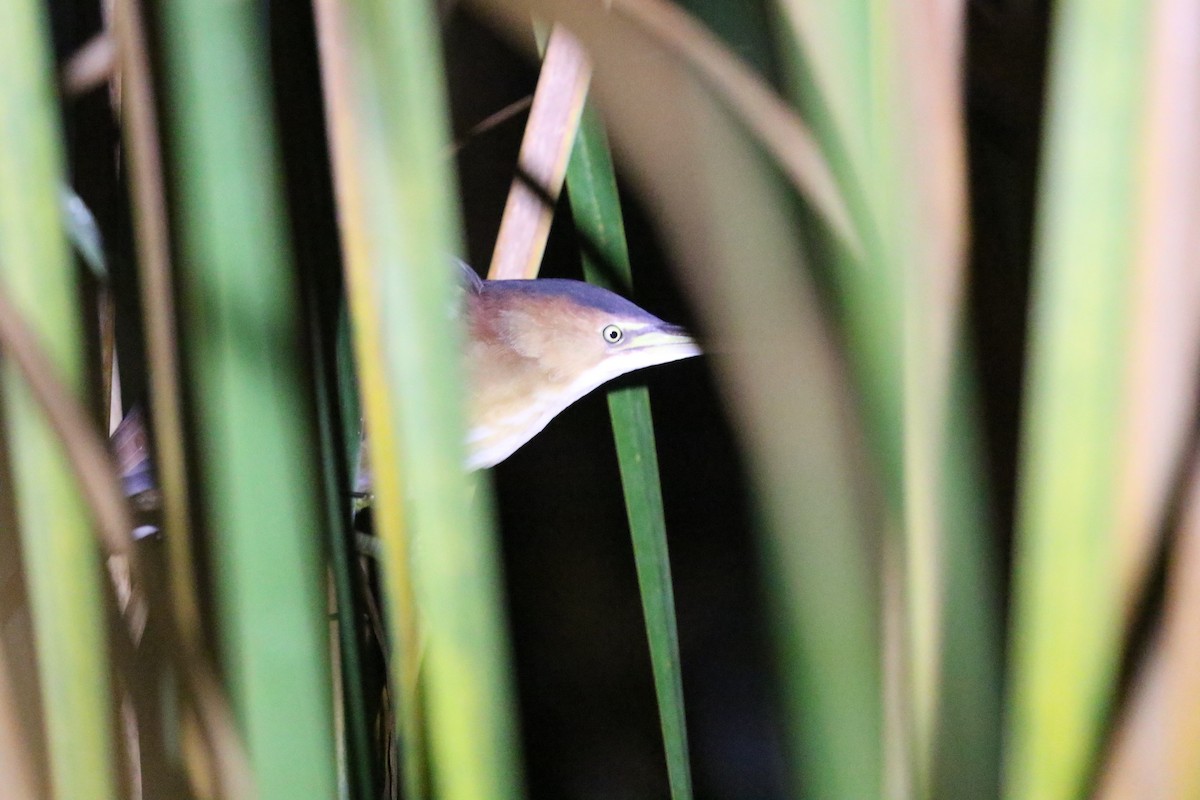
point(532, 348)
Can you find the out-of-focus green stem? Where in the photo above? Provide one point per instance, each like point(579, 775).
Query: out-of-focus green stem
point(1068, 603)
point(38, 275)
point(387, 118)
point(259, 480)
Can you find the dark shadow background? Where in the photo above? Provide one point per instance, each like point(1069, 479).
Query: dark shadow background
point(588, 714)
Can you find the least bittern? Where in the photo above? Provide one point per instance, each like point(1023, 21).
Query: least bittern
point(533, 347)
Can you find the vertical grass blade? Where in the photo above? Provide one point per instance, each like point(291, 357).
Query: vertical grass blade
point(388, 131)
point(596, 207)
point(1067, 615)
point(830, 52)
point(1165, 317)
point(880, 82)
point(38, 275)
point(917, 192)
point(340, 431)
point(1157, 741)
point(790, 402)
point(296, 70)
point(335, 414)
point(259, 477)
point(836, 52)
point(344, 571)
point(343, 79)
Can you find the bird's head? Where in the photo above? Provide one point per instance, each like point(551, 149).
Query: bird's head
point(536, 346)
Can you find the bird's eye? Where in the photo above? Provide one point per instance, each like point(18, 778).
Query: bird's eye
point(612, 334)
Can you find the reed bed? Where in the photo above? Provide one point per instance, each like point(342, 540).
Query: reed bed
point(936, 468)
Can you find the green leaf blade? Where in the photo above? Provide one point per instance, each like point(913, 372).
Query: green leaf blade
point(596, 206)
point(259, 475)
point(61, 562)
point(1068, 604)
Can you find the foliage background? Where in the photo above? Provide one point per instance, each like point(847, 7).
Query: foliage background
point(946, 559)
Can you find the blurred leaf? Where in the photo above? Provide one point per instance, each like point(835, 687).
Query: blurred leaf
point(1068, 608)
point(38, 275)
point(252, 396)
point(882, 90)
point(1154, 748)
point(383, 77)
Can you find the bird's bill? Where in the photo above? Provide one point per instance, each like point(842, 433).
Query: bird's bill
point(664, 344)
